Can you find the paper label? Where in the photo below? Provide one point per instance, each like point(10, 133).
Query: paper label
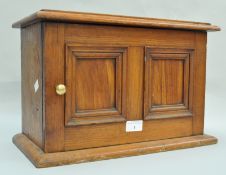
point(135, 125)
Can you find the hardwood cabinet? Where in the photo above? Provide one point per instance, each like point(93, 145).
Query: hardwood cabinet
point(102, 86)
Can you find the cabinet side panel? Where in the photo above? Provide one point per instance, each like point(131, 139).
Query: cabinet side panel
point(31, 73)
point(199, 82)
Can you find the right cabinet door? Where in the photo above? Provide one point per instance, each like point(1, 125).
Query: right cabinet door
point(168, 83)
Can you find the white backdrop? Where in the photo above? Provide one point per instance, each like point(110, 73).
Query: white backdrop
point(208, 160)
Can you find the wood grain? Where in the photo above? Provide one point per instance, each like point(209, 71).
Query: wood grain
point(92, 18)
point(199, 83)
point(42, 160)
point(115, 69)
point(168, 83)
point(134, 93)
point(129, 36)
point(31, 73)
point(53, 55)
point(95, 79)
point(115, 133)
point(89, 75)
point(167, 74)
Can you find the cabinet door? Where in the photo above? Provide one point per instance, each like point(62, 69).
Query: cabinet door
point(104, 90)
point(95, 80)
point(168, 83)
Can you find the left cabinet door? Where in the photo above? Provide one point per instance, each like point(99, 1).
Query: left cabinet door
point(95, 81)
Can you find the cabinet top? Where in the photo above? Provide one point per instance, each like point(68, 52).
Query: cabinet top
point(93, 18)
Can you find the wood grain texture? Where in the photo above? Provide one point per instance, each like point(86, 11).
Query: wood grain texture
point(134, 93)
point(95, 79)
point(168, 83)
point(129, 36)
point(31, 74)
point(101, 132)
point(107, 129)
point(115, 69)
point(42, 160)
point(89, 75)
point(92, 18)
point(53, 54)
point(167, 74)
point(199, 83)
point(115, 133)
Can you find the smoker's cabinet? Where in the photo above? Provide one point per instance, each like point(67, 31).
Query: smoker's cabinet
point(102, 86)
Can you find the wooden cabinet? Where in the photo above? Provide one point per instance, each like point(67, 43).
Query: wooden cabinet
point(87, 78)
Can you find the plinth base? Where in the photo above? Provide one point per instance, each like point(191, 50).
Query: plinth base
point(41, 159)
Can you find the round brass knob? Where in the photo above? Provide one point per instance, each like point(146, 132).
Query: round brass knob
point(60, 89)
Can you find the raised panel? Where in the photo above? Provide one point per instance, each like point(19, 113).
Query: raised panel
point(168, 80)
point(95, 80)
point(167, 86)
point(101, 74)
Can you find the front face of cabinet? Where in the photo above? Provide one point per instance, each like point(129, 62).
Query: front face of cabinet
point(117, 74)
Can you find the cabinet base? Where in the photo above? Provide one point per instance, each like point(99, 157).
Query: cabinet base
point(41, 159)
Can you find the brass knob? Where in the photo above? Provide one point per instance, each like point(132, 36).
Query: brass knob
point(60, 89)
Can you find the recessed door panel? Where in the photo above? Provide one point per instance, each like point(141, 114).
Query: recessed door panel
point(95, 84)
point(95, 81)
point(168, 80)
